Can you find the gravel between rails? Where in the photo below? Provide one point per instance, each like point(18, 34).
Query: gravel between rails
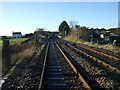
point(112, 61)
point(26, 75)
point(71, 80)
point(103, 76)
point(116, 62)
point(115, 54)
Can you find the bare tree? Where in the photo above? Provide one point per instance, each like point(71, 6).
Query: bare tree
point(73, 24)
point(83, 33)
point(73, 33)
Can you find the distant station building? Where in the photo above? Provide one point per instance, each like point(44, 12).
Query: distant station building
point(17, 35)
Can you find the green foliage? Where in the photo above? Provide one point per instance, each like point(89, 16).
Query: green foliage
point(14, 41)
point(1, 42)
point(70, 39)
point(17, 40)
point(64, 28)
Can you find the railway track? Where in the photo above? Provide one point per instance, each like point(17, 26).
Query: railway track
point(87, 52)
point(106, 78)
point(100, 51)
point(55, 69)
point(97, 51)
point(26, 74)
point(52, 76)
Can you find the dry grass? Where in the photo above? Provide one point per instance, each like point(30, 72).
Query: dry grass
point(26, 53)
point(109, 47)
point(18, 51)
point(21, 50)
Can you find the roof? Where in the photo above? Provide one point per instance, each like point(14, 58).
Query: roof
point(16, 32)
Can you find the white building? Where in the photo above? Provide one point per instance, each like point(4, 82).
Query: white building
point(17, 35)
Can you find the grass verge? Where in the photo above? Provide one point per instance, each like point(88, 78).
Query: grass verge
point(109, 47)
point(17, 40)
point(70, 39)
point(14, 41)
point(26, 54)
point(22, 50)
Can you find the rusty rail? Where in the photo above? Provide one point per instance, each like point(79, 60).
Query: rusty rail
point(117, 70)
point(43, 70)
point(82, 78)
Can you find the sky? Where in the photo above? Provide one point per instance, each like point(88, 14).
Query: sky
point(28, 16)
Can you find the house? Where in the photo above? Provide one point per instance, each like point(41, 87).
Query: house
point(17, 35)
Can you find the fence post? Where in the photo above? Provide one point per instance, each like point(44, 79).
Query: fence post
point(6, 54)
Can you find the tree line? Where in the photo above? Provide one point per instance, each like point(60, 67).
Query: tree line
point(83, 33)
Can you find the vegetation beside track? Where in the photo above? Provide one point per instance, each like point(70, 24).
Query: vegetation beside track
point(14, 40)
point(20, 50)
point(17, 40)
point(108, 47)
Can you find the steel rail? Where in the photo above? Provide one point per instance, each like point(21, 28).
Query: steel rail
point(96, 59)
point(97, 52)
point(43, 70)
point(86, 84)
